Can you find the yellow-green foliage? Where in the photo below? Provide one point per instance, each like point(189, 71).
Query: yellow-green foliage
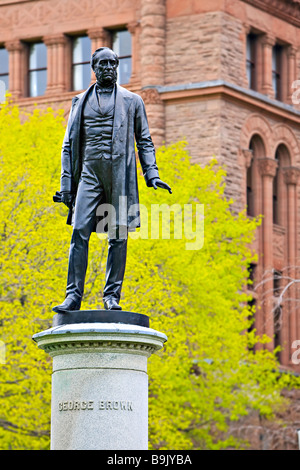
point(206, 375)
point(33, 243)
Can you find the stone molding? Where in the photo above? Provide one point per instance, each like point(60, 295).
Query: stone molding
point(257, 124)
point(268, 40)
point(291, 51)
point(100, 337)
point(55, 10)
point(97, 33)
point(132, 27)
point(151, 96)
point(248, 155)
point(271, 137)
point(55, 39)
point(14, 45)
point(287, 10)
point(69, 347)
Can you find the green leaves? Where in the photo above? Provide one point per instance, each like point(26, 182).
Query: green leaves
point(33, 242)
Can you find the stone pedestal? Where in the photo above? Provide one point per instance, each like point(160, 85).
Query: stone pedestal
point(99, 381)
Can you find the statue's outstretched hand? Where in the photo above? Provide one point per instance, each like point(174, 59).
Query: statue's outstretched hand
point(67, 198)
point(156, 182)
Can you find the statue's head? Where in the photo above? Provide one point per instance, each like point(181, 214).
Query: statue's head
point(104, 63)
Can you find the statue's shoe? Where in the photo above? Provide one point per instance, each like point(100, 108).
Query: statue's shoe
point(68, 304)
point(111, 304)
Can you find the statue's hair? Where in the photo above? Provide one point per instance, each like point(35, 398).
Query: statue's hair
point(99, 50)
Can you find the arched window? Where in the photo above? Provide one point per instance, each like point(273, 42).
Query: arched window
point(250, 195)
point(276, 192)
point(279, 188)
point(258, 151)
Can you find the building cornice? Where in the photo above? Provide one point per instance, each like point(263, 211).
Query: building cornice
point(13, 2)
point(189, 92)
point(223, 89)
point(287, 10)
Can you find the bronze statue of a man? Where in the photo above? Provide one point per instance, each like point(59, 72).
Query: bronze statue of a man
point(99, 167)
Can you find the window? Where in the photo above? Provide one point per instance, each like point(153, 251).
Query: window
point(277, 276)
point(37, 70)
point(253, 197)
point(251, 275)
point(251, 60)
point(251, 302)
point(81, 67)
point(276, 70)
point(3, 72)
point(121, 45)
point(280, 197)
point(275, 193)
point(250, 202)
point(250, 184)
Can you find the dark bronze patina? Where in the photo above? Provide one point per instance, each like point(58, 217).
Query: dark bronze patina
point(99, 167)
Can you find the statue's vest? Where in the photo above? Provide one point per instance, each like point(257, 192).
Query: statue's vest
point(97, 126)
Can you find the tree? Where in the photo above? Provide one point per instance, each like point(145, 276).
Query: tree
point(33, 243)
point(192, 289)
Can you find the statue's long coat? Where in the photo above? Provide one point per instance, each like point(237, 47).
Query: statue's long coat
point(130, 125)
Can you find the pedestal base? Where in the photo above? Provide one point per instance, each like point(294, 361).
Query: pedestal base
point(99, 384)
point(100, 316)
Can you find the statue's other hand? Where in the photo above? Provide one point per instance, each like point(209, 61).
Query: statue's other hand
point(156, 182)
point(67, 199)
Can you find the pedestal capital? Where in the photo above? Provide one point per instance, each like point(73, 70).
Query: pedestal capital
point(55, 39)
point(97, 33)
point(268, 40)
point(291, 175)
point(100, 337)
point(14, 45)
point(291, 51)
point(267, 166)
point(132, 26)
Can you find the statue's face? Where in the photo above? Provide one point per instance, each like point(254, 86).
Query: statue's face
point(105, 67)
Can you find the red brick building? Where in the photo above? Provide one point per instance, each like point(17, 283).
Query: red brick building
point(222, 74)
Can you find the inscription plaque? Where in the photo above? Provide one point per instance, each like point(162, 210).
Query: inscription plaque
point(76, 405)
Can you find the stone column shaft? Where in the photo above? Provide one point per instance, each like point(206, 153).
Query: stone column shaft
point(267, 43)
point(55, 63)
point(134, 29)
point(16, 68)
point(292, 71)
point(268, 168)
point(152, 46)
